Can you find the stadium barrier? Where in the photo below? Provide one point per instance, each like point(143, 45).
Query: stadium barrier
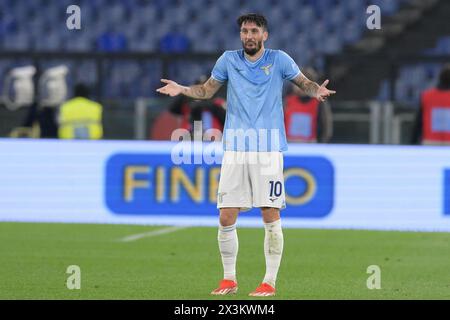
point(327, 186)
point(360, 122)
point(118, 111)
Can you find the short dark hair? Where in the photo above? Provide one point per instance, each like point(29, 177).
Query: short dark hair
point(258, 19)
point(444, 77)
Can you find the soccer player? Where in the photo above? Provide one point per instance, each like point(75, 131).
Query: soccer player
point(253, 139)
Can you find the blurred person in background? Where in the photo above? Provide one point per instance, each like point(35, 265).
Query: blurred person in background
point(43, 118)
point(80, 117)
point(306, 118)
point(432, 126)
point(52, 92)
point(210, 112)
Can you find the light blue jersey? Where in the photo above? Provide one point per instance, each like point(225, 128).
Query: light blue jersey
point(254, 119)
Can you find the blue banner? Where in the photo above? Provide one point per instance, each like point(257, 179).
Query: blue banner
point(150, 184)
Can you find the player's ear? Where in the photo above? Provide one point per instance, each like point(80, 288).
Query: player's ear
point(265, 35)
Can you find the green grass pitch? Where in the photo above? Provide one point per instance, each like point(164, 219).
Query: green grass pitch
point(317, 264)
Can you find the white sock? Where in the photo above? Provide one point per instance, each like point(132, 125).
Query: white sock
point(273, 249)
point(228, 246)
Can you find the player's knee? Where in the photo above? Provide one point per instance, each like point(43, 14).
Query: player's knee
point(228, 216)
point(226, 221)
point(270, 214)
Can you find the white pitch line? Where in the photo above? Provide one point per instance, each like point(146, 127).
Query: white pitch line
point(153, 233)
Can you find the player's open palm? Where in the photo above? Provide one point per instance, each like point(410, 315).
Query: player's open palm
point(171, 88)
point(323, 92)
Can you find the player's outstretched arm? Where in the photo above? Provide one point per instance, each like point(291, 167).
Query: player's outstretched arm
point(200, 91)
point(313, 89)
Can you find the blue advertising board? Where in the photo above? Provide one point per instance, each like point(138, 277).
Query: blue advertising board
point(147, 184)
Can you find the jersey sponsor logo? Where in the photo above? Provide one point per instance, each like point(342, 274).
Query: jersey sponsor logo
point(151, 184)
point(266, 69)
point(447, 192)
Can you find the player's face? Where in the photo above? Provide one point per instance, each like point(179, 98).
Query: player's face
point(252, 37)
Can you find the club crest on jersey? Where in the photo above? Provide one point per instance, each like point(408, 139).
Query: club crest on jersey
point(266, 69)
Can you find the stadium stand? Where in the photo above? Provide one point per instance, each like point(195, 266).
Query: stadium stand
point(318, 28)
point(413, 79)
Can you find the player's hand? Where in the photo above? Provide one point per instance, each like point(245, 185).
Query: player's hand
point(171, 88)
point(323, 93)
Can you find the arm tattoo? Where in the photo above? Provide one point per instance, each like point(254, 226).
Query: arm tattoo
point(310, 87)
point(196, 91)
point(203, 91)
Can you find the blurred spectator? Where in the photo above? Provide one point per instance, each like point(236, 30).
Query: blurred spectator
point(44, 118)
point(210, 112)
point(432, 125)
point(307, 119)
point(52, 92)
point(80, 118)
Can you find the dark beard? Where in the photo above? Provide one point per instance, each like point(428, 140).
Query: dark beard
point(252, 52)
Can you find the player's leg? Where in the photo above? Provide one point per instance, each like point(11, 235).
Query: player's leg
point(228, 241)
point(228, 247)
point(268, 194)
point(273, 243)
point(273, 250)
point(233, 195)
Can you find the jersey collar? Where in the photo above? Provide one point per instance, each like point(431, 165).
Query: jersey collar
point(254, 62)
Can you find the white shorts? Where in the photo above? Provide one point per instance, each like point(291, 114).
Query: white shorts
point(251, 179)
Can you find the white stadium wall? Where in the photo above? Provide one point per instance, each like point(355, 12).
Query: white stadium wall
point(327, 186)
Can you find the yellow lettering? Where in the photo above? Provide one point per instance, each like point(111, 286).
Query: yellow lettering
point(311, 186)
point(160, 184)
point(178, 177)
point(131, 183)
point(213, 184)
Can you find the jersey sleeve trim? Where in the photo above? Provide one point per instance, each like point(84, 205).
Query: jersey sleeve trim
point(219, 80)
point(292, 78)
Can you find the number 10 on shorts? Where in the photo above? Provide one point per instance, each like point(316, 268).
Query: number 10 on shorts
point(276, 188)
